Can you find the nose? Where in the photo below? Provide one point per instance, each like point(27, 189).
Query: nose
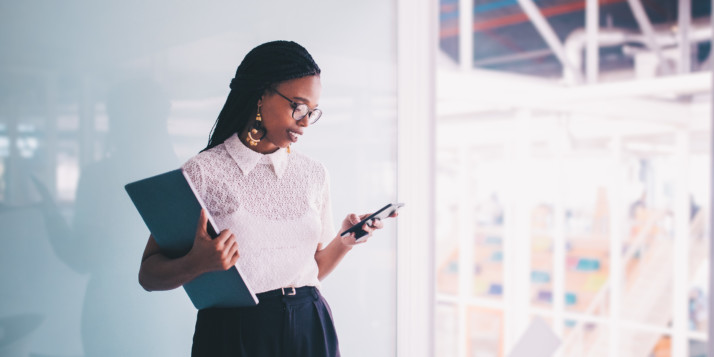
point(304, 122)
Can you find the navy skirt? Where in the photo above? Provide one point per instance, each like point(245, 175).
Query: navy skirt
point(282, 324)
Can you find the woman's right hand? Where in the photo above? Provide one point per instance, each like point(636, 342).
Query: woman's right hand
point(211, 254)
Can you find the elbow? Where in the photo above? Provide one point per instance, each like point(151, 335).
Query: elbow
point(142, 281)
point(322, 274)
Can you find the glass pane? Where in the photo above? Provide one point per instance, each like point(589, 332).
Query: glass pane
point(487, 193)
point(699, 295)
point(585, 338)
point(697, 348)
point(446, 330)
point(447, 226)
point(485, 332)
point(640, 343)
point(595, 155)
point(71, 259)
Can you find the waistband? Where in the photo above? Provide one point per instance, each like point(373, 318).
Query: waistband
point(290, 293)
point(270, 299)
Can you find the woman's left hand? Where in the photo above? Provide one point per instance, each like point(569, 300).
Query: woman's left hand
point(351, 220)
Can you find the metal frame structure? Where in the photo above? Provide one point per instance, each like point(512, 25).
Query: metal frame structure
point(683, 82)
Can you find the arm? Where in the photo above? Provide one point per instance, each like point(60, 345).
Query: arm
point(328, 258)
point(159, 272)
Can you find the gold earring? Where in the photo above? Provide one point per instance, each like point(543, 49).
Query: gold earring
point(258, 123)
point(288, 148)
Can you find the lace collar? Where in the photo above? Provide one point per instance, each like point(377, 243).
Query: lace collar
point(247, 158)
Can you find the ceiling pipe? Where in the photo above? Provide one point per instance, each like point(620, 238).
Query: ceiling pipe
point(684, 24)
point(648, 30)
point(700, 31)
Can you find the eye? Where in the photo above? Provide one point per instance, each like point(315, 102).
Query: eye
point(300, 111)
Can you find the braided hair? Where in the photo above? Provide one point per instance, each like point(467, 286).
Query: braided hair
point(264, 67)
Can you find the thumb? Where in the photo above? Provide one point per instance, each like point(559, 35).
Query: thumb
point(202, 224)
point(353, 218)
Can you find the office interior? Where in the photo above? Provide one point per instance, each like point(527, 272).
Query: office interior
point(571, 178)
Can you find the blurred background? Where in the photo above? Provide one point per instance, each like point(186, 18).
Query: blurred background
point(94, 95)
point(572, 176)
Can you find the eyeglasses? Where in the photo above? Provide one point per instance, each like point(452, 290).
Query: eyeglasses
point(301, 110)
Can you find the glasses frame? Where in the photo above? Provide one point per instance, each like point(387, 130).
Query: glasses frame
point(295, 105)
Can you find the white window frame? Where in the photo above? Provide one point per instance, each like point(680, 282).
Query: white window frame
point(710, 333)
point(416, 51)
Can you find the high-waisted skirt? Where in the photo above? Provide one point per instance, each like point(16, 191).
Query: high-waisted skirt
point(280, 325)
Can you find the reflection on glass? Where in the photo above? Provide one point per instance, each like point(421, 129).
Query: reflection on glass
point(70, 255)
point(105, 236)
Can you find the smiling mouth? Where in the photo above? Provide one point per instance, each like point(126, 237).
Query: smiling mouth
point(294, 136)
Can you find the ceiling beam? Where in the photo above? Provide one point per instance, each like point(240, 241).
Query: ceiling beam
point(646, 26)
point(451, 29)
point(592, 48)
point(466, 34)
point(550, 37)
point(683, 28)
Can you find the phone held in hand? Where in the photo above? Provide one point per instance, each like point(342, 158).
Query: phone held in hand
point(382, 213)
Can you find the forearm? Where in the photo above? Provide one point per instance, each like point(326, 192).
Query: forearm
point(158, 272)
point(328, 258)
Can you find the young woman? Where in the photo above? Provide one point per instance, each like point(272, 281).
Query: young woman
point(275, 205)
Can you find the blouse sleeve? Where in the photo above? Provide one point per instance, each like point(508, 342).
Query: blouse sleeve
point(328, 227)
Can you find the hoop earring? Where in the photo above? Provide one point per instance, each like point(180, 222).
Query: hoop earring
point(257, 126)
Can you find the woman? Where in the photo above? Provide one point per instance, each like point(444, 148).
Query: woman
point(274, 204)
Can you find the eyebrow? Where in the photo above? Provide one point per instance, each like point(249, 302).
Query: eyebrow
point(304, 100)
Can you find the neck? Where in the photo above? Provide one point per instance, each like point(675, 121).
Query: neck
point(264, 146)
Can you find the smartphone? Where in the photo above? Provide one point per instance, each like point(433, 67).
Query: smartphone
point(382, 213)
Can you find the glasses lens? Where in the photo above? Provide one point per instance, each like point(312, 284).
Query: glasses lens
point(300, 111)
point(315, 115)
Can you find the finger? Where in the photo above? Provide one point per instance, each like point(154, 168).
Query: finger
point(224, 236)
point(230, 247)
point(229, 261)
point(235, 257)
point(370, 223)
point(202, 223)
point(394, 214)
point(378, 224)
point(361, 239)
point(233, 250)
point(349, 239)
point(354, 218)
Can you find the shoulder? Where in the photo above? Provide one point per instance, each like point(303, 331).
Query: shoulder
point(309, 166)
point(204, 160)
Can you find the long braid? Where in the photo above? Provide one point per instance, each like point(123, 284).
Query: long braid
point(263, 67)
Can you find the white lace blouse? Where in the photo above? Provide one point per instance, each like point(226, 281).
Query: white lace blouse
point(277, 205)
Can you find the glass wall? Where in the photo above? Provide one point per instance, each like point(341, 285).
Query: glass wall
point(575, 195)
point(93, 96)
